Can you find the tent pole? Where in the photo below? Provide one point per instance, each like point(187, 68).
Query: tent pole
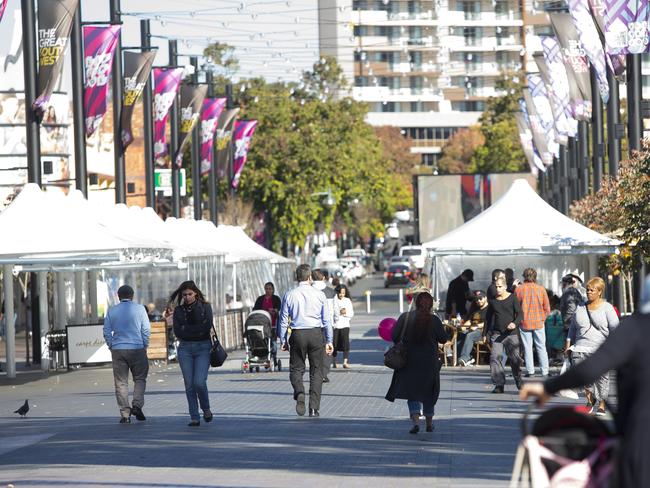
point(42, 310)
point(10, 322)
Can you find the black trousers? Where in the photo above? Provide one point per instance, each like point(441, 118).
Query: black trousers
point(303, 344)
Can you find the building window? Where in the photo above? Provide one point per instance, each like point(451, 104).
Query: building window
point(416, 107)
point(501, 9)
point(388, 107)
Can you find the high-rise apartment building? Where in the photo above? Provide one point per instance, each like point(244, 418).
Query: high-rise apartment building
point(425, 66)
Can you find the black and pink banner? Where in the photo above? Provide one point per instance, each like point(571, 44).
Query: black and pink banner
point(244, 130)
point(212, 108)
point(99, 49)
point(225, 128)
point(166, 81)
point(3, 6)
point(54, 26)
point(137, 68)
point(192, 97)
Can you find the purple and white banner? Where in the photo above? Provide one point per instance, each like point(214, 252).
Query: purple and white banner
point(3, 6)
point(626, 26)
point(526, 139)
point(539, 138)
point(54, 26)
point(575, 61)
point(244, 130)
point(559, 119)
point(544, 112)
point(212, 108)
point(615, 61)
point(166, 84)
point(137, 69)
point(99, 48)
point(560, 84)
point(192, 97)
point(590, 40)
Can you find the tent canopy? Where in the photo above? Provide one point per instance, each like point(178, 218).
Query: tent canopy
point(522, 223)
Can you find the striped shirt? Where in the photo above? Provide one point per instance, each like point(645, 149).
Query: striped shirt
point(534, 305)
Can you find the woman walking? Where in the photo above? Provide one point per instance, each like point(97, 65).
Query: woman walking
point(419, 381)
point(590, 326)
point(342, 305)
point(192, 325)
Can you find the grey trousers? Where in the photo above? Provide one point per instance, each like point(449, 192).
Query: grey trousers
point(125, 360)
point(600, 388)
point(509, 343)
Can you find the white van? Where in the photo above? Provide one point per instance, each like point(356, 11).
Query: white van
point(416, 254)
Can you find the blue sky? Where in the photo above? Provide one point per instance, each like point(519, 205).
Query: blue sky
point(273, 38)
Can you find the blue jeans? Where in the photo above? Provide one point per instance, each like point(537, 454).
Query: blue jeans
point(538, 338)
point(194, 359)
point(416, 407)
point(471, 338)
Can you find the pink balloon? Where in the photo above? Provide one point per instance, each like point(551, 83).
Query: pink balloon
point(385, 328)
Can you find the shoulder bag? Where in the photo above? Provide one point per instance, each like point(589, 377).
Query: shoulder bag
point(395, 357)
point(592, 324)
point(218, 354)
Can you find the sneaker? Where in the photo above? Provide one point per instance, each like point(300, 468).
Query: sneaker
point(125, 420)
point(300, 404)
point(471, 362)
point(326, 380)
point(137, 413)
point(313, 412)
point(601, 412)
point(498, 389)
point(462, 362)
point(528, 375)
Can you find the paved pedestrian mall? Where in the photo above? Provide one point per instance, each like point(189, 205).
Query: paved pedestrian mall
point(71, 437)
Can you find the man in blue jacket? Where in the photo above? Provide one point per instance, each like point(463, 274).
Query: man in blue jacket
point(126, 332)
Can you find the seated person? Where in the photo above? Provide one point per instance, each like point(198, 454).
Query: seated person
point(475, 320)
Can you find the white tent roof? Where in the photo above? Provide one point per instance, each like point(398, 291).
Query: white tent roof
point(40, 223)
point(520, 222)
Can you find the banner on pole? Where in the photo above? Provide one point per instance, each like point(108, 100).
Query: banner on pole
point(166, 84)
point(225, 128)
point(575, 61)
point(526, 139)
point(557, 72)
point(212, 108)
point(544, 112)
point(590, 40)
point(54, 25)
point(615, 61)
point(192, 97)
point(539, 138)
point(559, 117)
point(99, 49)
point(137, 68)
point(243, 133)
point(3, 6)
point(626, 26)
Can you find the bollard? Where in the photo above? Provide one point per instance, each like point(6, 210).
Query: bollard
point(401, 300)
point(367, 293)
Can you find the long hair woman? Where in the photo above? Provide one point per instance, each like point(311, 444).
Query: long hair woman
point(419, 381)
point(192, 326)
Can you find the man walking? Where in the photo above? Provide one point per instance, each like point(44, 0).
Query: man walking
point(320, 278)
point(535, 308)
point(458, 294)
point(304, 308)
point(126, 332)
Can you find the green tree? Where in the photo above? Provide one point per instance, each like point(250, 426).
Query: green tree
point(459, 149)
point(502, 150)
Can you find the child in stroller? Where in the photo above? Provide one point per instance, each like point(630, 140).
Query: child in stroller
point(260, 343)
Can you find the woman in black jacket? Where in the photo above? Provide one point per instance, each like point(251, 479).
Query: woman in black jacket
point(192, 326)
point(269, 302)
point(419, 381)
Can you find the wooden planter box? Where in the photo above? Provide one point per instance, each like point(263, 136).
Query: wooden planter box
point(158, 341)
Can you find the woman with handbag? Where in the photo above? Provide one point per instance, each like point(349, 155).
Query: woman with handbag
point(590, 326)
point(418, 381)
point(192, 325)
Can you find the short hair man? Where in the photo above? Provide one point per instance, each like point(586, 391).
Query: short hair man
point(305, 308)
point(571, 298)
point(458, 294)
point(126, 332)
point(535, 308)
point(491, 291)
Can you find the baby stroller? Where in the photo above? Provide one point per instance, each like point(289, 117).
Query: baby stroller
point(566, 447)
point(259, 339)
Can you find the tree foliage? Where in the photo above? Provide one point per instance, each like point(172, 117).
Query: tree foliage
point(459, 149)
point(308, 143)
point(502, 150)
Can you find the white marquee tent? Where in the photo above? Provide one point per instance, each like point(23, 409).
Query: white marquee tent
point(519, 230)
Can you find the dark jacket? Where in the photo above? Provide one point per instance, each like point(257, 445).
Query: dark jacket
point(277, 303)
point(420, 378)
point(193, 323)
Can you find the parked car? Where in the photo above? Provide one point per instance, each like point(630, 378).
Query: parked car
point(358, 269)
point(337, 270)
point(417, 255)
point(397, 274)
point(399, 260)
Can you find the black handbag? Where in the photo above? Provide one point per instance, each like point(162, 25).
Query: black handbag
point(395, 357)
point(218, 354)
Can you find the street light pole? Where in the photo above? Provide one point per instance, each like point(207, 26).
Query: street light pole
point(76, 48)
point(196, 153)
point(173, 138)
point(212, 175)
point(120, 170)
point(147, 122)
